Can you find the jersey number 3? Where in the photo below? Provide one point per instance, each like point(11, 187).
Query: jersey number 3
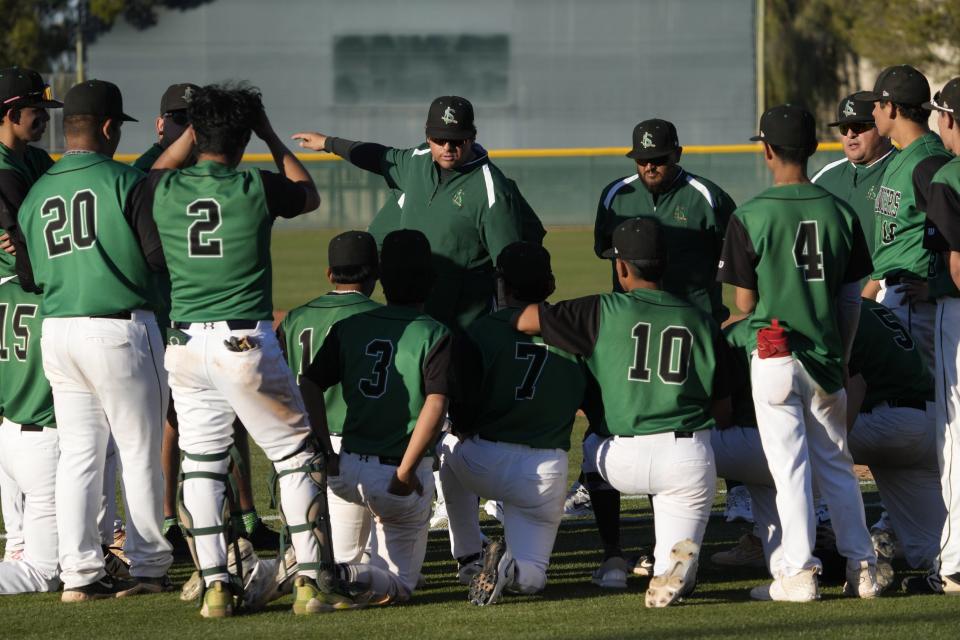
point(806, 251)
point(64, 228)
point(376, 385)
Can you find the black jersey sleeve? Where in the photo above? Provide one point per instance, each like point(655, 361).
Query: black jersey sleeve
point(285, 198)
point(571, 325)
point(723, 372)
point(138, 211)
point(738, 258)
point(366, 155)
point(860, 265)
point(324, 369)
point(437, 368)
point(943, 214)
point(464, 408)
point(13, 189)
point(922, 177)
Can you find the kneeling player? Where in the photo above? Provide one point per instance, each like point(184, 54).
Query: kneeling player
point(392, 364)
point(520, 398)
point(659, 363)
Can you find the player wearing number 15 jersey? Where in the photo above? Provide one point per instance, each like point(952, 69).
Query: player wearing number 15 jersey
point(796, 254)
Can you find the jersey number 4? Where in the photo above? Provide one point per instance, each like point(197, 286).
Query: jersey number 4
point(673, 357)
point(65, 228)
point(208, 220)
point(376, 385)
point(806, 251)
point(21, 331)
point(537, 355)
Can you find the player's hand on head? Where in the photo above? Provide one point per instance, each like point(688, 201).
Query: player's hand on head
point(7, 244)
point(311, 140)
point(263, 129)
point(403, 484)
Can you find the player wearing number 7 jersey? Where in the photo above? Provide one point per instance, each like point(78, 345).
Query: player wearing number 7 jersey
point(93, 256)
point(796, 254)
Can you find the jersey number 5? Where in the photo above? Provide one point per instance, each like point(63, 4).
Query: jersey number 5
point(208, 219)
point(806, 251)
point(376, 385)
point(673, 359)
point(537, 355)
point(63, 229)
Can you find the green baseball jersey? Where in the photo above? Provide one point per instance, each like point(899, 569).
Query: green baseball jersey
point(17, 175)
point(886, 356)
point(86, 245)
point(516, 388)
point(387, 361)
point(469, 214)
point(857, 185)
point(387, 218)
point(693, 213)
point(215, 223)
point(25, 394)
point(658, 359)
point(146, 160)
point(943, 227)
point(796, 245)
point(899, 209)
point(302, 332)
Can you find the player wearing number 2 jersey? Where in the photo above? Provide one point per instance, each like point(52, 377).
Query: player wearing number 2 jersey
point(93, 256)
point(796, 254)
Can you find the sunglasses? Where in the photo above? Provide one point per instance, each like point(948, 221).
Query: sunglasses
point(442, 142)
point(44, 94)
point(659, 161)
point(856, 127)
point(178, 117)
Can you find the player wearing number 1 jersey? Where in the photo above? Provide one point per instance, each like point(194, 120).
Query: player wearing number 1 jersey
point(796, 255)
point(93, 256)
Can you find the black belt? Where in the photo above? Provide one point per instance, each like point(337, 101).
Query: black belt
point(119, 315)
point(676, 435)
point(906, 403)
point(233, 325)
point(390, 462)
point(30, 427)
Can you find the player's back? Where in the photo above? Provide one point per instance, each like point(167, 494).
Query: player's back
point(529, 392)
point(384, 356)
point(215, 226)
point(655, 360)
point(84, 253)
point(25, 394)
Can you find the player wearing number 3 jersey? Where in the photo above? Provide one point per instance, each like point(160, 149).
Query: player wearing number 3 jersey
point(796, 254)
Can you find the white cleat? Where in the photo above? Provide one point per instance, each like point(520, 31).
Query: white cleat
point(739, 506)
point(862, 581)
point(612, 574)
point(802, 587)
point(577, 503)
point(678, 580)
point(494, 509)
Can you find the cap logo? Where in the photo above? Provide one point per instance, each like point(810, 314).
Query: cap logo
point(448, 116)
point(885, 93)
point(647, 140)
point(188, 94)
point(848, 109)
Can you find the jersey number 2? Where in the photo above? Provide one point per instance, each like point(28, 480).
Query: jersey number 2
point(208, 219)
point(376, 385)
point(806, 251)
point(673, 360)
point(537, 355)
point(65, 229)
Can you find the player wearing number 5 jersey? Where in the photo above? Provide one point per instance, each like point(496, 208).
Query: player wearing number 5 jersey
point(93, 256)
point(796, 254)
point(659, 362)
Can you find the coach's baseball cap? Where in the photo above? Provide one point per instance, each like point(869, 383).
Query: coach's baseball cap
point(352, 249)
point(95, 98)
point(450, 118)
point(177, 97)
point(653, 139)
point(406, 249)
point(524, 264)
point(638, 240)
point(852, 110)
point(787, 125)
point(901, 84)
point(25, 88)
point(947, 99)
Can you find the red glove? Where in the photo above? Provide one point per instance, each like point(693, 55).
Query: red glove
point(772, 341)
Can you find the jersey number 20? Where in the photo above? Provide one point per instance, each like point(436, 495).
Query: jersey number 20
point(65, 228)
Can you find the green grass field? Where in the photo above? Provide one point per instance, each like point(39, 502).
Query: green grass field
point(570, 607)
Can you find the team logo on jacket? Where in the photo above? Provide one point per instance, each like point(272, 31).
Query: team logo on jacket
point(448, 116)
point(680, 214)
point(647, 140)
point(458, 198)
point(887, 202)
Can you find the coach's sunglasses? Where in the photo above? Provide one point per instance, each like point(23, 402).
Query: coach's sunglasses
point(178, 117)
point(442, 142)
point(658, 161)
point(856, 127)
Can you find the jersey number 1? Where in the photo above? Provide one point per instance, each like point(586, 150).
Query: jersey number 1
point(806, 251)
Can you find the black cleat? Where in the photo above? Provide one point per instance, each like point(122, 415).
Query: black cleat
point(105, 587)
point(487, 586)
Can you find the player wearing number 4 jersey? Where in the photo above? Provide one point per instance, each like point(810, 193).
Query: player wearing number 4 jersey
point(796, 253)
point(223, 357)
point(92, 255)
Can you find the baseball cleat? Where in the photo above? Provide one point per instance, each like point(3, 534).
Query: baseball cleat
point(494, 509)
point(643, 565)
point(929, 584)
point(192, 588)
point(577, 503)
point(498, 569)
point(105, 587)
point(309, 599)
point(862, 581)
point(218, 601)
point(114, 565)
point(748, 552)
point(739, 507)
point(612, 574)
point(439, 518)
point(802, 587)
point(671, 586)
point(161, 584)
point(468, 567)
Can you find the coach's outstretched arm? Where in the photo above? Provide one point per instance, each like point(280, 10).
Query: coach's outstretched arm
point(366, 155)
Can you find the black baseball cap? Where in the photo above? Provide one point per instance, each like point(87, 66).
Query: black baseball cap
point(25, 88)
point(852, 110)
point(450, 118)
point(177, 97)
point(352, 249)
point(638, 240)
point(524, 264)
point(787, 125)
point(947, 99)
point(406, 249)
point(653, 139)
point(901, 84)
point(95, 98)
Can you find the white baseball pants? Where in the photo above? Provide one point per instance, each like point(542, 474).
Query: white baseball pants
point(679, 472)
point(107, 378)
point(30, 459)
point(919, 318)
point(400, 523)
point(11, 508)
point(947, 391)
point(349, 523)
point(803, 431)
point(212, 386)
point(531, 484)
